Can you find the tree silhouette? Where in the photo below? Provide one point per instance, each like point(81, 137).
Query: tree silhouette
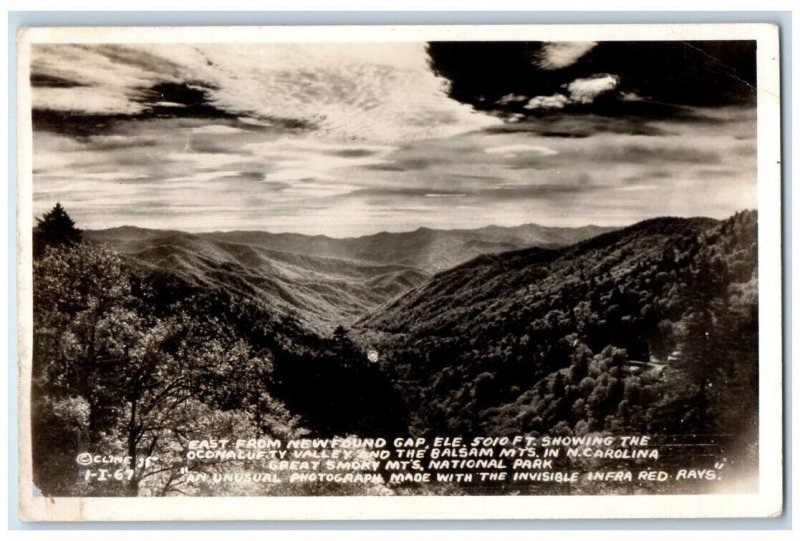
point(55, 228)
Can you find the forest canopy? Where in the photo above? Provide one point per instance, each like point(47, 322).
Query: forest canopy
point(652, 329)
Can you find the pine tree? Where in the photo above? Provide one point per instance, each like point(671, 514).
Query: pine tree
point(55, 228)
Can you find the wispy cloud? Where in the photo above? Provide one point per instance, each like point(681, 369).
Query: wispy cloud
point(382, 92)
point(560, 54)
point(518, 149)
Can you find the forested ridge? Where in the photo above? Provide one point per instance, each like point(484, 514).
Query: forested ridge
point(649, 329)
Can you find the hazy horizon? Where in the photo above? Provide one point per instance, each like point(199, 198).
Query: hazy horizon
point(344, 140)
point(400, 231)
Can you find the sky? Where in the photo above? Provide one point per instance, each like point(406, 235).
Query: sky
point(352, 139)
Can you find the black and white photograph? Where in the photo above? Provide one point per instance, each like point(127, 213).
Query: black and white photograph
point(463, 266)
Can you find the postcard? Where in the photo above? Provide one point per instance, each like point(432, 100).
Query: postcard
point(411, 272)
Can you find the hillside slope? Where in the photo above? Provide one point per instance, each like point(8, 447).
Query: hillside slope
point(652, 328)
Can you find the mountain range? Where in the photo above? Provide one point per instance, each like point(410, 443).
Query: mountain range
point(649, 329)
point(323, 281)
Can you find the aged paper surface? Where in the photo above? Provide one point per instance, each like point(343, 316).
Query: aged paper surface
point(399, 272)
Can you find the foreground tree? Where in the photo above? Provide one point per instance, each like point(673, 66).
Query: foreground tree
point(55, 228)
point(76, 289)
point(114, 376)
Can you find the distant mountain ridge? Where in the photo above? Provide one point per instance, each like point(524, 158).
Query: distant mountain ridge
point(429, 250)
point(324, 281)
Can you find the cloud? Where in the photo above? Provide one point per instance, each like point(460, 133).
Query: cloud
point(511, 98)
point(556, 101)
point(516, 150)
point(354, 152)
point(630, 96)
point(585, 91)
point(656, 78)
point(85, 99)
point(216, 129)
point(404, 192)
point(581, 126)
point(560, 54)
point(555, 191)
point(383, 92)
point(93, 79)
point(445, 195)
point(257, 176)
point(664, 152)
point(374, 153)
point(581, 91)
point(293, 159)
point(263, 180)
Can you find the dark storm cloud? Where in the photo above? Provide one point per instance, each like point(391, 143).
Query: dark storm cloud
point(644, 79)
